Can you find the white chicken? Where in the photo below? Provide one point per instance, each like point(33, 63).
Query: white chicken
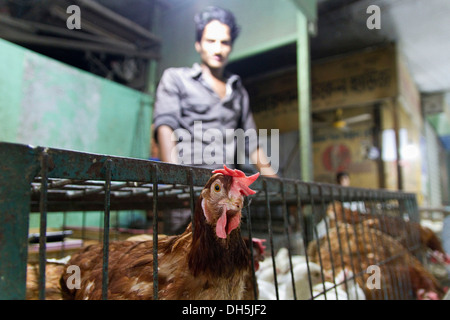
point(281, 263)
point(326, 291)
point(266, 280)
point(302, 284)
point(346, 288)
point(266, 290)
point(353, 289)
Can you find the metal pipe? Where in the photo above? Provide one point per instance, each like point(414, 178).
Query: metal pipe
point(304, 97)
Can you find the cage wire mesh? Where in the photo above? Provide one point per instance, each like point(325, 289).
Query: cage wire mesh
point(317, 241)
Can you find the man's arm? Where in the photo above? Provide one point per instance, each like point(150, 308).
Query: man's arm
point(166, 114)
point(259, 158)
point(166, 144)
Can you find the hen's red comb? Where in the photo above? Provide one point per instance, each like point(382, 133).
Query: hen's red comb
point(241, 180)
point(229, 172)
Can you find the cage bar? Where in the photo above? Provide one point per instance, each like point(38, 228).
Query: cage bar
point(43, 225)
point(288, 240)
point(270, 231)
point(155, 175)
point(252, 253)
point(108, 165)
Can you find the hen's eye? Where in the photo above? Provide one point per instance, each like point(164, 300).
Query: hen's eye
point(217, 188)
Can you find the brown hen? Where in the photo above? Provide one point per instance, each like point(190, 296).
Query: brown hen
point(208, 261)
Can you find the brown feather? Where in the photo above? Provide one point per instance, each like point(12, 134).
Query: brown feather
point(53, 272)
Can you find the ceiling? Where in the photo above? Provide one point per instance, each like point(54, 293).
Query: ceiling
point(114, 40)
point(420, 28)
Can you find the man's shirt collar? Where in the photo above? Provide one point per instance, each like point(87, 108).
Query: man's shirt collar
point(196, 72)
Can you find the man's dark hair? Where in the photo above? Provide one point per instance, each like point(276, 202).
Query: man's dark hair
point(340, 175)
point(211, 13)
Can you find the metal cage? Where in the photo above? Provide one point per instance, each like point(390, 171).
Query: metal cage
point(298, 218)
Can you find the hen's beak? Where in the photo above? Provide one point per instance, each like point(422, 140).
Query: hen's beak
point(228, 221)
point(230, 217)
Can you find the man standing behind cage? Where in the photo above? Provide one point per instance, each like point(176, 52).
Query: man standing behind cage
point(207, 97)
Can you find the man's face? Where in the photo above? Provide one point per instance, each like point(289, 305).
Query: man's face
point(215, 45)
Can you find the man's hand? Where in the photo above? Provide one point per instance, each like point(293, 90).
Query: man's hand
point(259, 158)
